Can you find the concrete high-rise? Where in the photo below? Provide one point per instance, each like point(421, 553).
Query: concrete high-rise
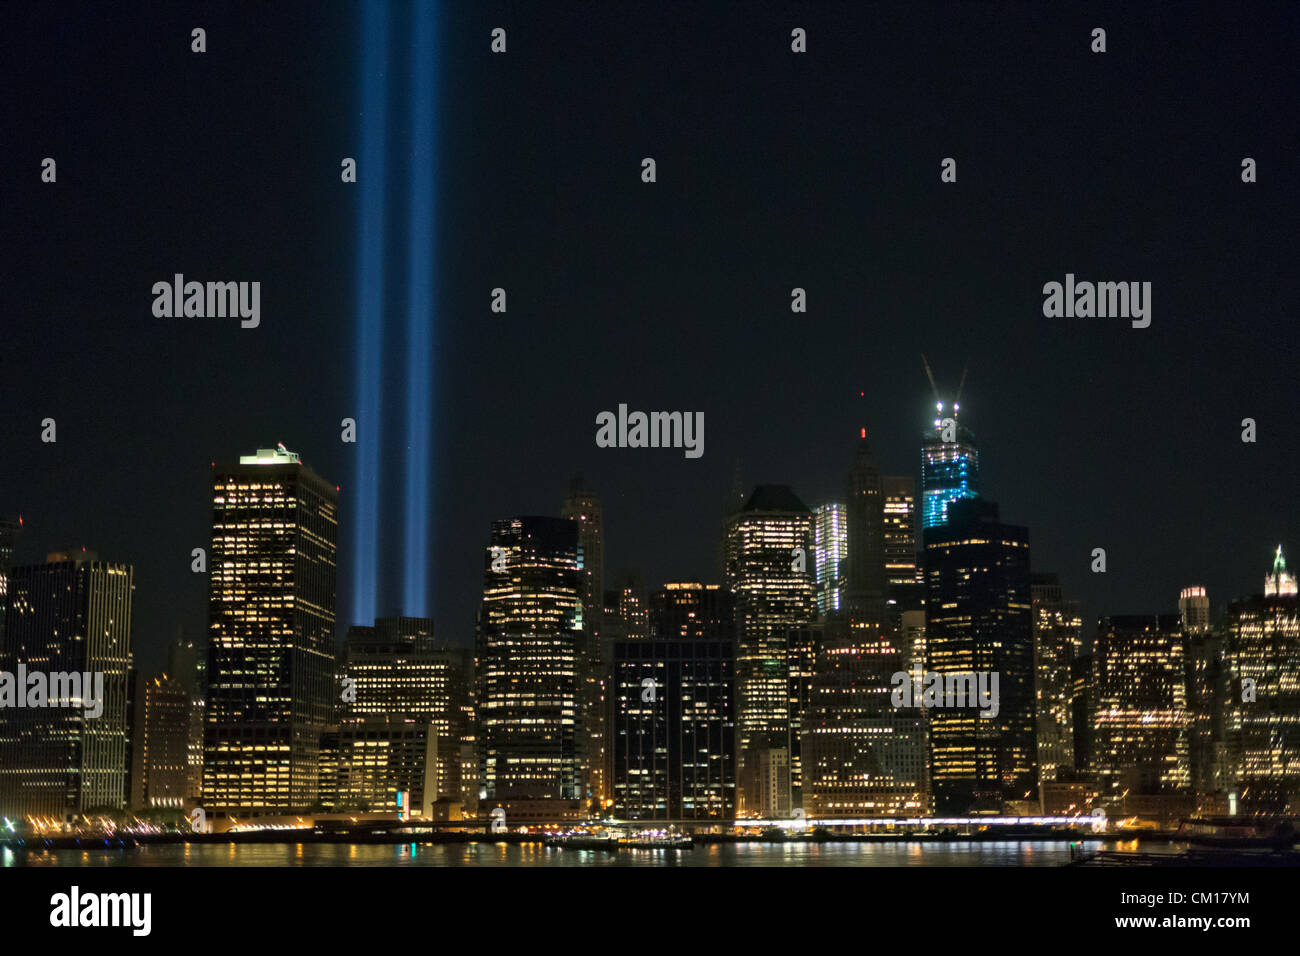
point(899, 533)
point(10, 530)
point(866, 588)
point(1263, 661)
point(1058, 639)
point(861, 756)
point(1139, 710)
point(1209, 763)
point(583, 506)
point(529, 642)
point(767, 547)
point(673, 733)
point(272, 586)
point(160, 746)
point(69, 617)
point(399, 673)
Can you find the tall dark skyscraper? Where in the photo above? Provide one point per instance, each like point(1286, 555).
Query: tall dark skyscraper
point(861, 756)
point(950, 467)
point(10, 529)
point(529, 641)
point(1263, 658)
point(1139, 709)
point(160, 728)
point(688, 610)
point(769, 570)
point(866, 590)
point(68, 616)
point(979, 619)
point(899, 534)
point(187, 664)
point(272, 586)
point(583, 506)
point(1208, 691)
point(674, 738)
point(1058, 639)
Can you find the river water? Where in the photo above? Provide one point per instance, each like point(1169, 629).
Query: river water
point(1000, 853)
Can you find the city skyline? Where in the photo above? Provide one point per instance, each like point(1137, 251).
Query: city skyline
point(28, 546)
point(675, 294)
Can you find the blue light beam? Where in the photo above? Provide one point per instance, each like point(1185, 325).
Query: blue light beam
point(370, 306)
point(420, 315)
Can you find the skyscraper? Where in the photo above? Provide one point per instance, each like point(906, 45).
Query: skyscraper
point(583, 506)
point(766, 546)
point(187, 664)
point(10, 529)
point(830, 546)
point(899, 493)
point(1058, 638)
point(1207, 693)
point(70, 616)
point(673, 733)
point(529, 638)
point(950, 467)
point(866, 589)
point(979, 619)
point(691, 611)
point(861, 756)
point(1139, 709)
point(1263, 658)
point(904, 581)
point(272, 585)
point(399, 673)
point(160, 727)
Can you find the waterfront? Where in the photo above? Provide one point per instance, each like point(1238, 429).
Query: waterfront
point(1030, 853)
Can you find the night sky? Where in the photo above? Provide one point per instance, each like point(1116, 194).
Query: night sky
point(775, 170)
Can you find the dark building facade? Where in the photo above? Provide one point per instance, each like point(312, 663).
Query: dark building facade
point(866, 589)
point(979, 619)
point(160, 744)
point(10, 530)
point(861, 756)
point(673, 730)
point(1139, 708)
point(1263, 661)
point(69, 617)
point(583, 506)
point(1058, 639)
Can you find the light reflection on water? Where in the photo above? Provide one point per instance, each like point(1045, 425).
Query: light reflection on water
point(1001, 853)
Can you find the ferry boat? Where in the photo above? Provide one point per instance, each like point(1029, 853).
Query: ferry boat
point(1274, 832)
point(621, 838)
point(583, 840)
point(657, 840)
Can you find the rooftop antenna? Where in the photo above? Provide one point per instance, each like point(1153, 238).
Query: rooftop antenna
point(961, 384)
